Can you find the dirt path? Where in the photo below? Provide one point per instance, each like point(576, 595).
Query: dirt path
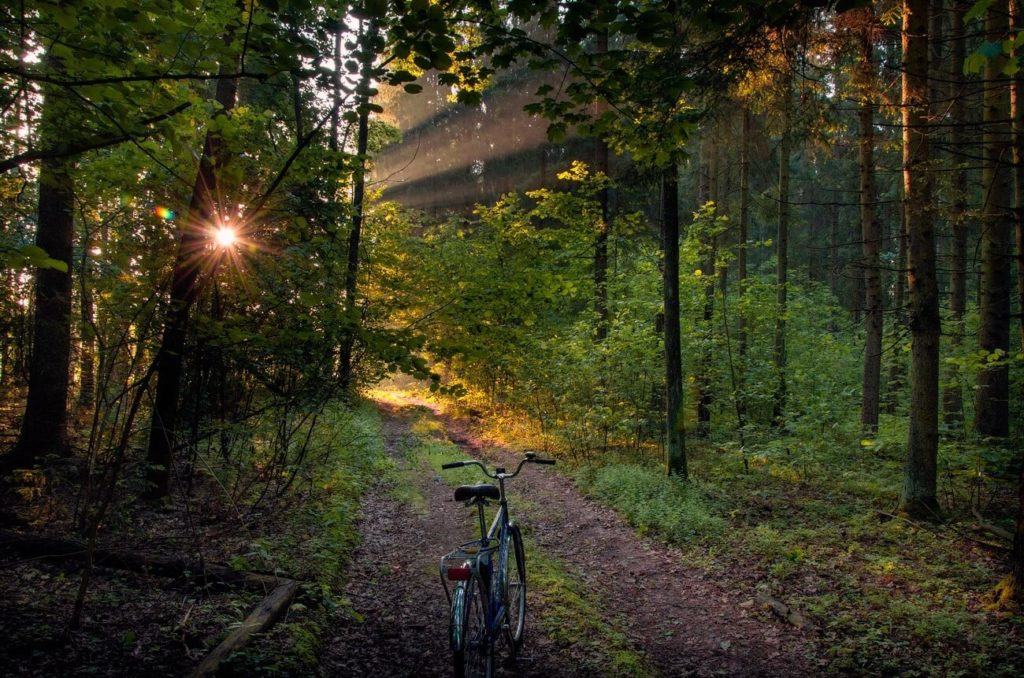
point(401, 623)
point(679, 621)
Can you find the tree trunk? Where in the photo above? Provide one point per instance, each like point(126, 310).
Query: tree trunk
point(675, 434)
point(1017, 115)
point(782, 259)
point(358, 189)
point(919, 492)
point(44, 426)
point(741, 251)
point(894, 385)
point(952, 397)
point(601, 165)
point(193, 236)
point(833, 262)
point(1013, 585)
point(871, 381)
point(992, 400)
point(704, 394)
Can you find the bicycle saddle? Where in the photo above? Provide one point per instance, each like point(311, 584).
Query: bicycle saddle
point(481, 491)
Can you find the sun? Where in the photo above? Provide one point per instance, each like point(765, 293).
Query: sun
point(225, 236)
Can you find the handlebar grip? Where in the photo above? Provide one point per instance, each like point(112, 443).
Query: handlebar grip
point(549, 462)
point(453, 464)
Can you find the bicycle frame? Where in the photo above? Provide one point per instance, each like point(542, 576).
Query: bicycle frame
point(499, 533)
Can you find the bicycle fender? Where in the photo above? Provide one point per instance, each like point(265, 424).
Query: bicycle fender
point(455, 625)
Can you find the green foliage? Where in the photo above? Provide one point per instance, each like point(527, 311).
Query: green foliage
point(664, 506)
point(29, 256)
point(323, 531)
point(318, 543)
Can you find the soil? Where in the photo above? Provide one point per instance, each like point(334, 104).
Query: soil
point(680, 621)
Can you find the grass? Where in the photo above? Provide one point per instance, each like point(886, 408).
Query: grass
point(811, 523)
point(666, 507)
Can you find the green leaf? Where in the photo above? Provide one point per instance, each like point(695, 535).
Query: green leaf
point(990, 49)
point(978, 10)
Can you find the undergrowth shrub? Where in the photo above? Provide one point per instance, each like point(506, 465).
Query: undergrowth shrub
point(653, 503)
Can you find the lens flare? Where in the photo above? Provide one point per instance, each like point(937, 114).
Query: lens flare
point(164, 213)
point(225, 236)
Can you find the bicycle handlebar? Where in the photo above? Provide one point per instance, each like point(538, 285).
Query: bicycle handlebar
point(531, 458)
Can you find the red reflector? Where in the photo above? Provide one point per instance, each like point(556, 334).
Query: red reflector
point(459, 573)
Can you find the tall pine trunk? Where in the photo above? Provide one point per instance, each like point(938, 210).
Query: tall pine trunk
point(870, 232)
point(918, 498)
point(601, 165)
point(705, 397)
point(193, 238)
point(1017, 115)
point(991, 408)
point(952, 396)
point(675, 434)
point(782, 258)
point(44, 426)
point(741, 265)
point(897, 370)
point(1012, 588)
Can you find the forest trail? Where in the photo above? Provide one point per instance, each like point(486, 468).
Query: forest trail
point(675, 619)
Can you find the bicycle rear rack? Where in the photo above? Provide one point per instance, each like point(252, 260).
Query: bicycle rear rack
point(468, 558)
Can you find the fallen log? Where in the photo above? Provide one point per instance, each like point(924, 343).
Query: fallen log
point(260, 619)
point(43, 546)
point(994, 530)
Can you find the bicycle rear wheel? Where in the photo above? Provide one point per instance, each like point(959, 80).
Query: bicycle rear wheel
point(471, 645)
point(515, 578)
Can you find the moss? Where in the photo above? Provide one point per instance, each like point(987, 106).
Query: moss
point(572, 617)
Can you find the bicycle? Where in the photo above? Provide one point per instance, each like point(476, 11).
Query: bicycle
point(488, 577)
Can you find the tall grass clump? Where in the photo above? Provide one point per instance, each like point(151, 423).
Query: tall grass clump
point(653, 503)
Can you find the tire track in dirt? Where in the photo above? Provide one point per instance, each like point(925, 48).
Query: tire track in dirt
point(400, 625)
point(686, 623)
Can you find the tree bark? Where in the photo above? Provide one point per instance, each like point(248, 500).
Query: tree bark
point(741, 256)
point(601, 165)
point(1017, 116)
point(870, 232)
point(358, 190)
point(262, 617)
point(991, 408)
point(704, 393)
point(895, 382)
point(44, 426)
point(189, 262)
point(1013, 585)
point(918, 498)
point(675, 434)
point(952, 397)
point(782, 259)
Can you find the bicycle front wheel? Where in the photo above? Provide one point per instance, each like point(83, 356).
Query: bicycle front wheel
point(471, 645)
point(515, 578)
